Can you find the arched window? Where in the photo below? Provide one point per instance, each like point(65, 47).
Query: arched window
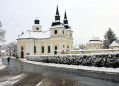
point(55, 32)
point(55, 47)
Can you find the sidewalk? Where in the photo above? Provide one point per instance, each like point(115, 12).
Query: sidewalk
point(76, 67)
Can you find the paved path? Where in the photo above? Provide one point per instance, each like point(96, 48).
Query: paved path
point(32, 79)
point(49, 76)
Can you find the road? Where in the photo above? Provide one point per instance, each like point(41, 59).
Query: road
point(61, 75)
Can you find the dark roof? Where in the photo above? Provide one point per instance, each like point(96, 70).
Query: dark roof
point(67, 26)
point(65, 16)
point(57, 12)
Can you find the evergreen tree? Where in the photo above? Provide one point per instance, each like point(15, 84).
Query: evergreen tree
point(109, 36)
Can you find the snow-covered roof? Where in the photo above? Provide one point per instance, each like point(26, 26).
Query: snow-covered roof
point(2, 51)
point(94, 42)
point(56, 21)
point(75, 47)
point(36, 25)
point(114, 44)
point(30, 34)
point(58, 26)
point(95, 39)
point(90, 50)
point(69, 29)
point(66, 36)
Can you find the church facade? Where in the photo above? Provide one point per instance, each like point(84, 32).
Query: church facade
point(38, 42)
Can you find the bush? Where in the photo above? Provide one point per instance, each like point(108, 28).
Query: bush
point(98, 60)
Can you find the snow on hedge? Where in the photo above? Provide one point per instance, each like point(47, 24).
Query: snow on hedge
point(98, 60)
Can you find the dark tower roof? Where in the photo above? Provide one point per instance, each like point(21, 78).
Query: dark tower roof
point(36, 21)
point(65, 16)
point(65, 21)
point(57, 18)
point(57, 11)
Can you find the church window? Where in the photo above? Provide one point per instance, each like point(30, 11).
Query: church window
point(55, 47)
point(55, 52)
point(37, 28)
point(48, 49)
point(63, 31)
point(55, 31)
point(67, 46)
point(22, 48)
point(34, 49)
point(70, 34)
point(42, 49)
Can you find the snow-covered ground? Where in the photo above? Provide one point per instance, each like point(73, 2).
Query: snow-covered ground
point(75, 67)
point(1, 65)
point(8, 80)
point(11, 79)
point(38, 84)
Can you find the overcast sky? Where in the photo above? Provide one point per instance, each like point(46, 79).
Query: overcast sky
point(87, 18)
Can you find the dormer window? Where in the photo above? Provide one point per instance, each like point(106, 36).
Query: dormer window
point(37, 28)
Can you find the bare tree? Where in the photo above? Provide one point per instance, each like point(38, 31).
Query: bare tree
point(13, 46)
point(81, 46)
point(2, 34)
point(4, 47)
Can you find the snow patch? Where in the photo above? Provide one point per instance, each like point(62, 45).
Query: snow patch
point(10, 80)
point(1, 65)
point(75, 67)
point(38, 84)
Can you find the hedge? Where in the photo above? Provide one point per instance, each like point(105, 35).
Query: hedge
point(98, 60)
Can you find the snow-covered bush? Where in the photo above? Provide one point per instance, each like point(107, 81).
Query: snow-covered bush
point(98, 60)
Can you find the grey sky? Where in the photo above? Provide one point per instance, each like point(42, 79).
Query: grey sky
point(87, 18)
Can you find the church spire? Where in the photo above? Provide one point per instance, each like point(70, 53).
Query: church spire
point(57, 11)
point(65, 21)
point(65, 18)
point(57, 17)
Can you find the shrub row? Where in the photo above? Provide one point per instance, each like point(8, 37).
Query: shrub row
point(98, 60)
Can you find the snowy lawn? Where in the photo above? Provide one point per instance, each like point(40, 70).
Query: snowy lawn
point(1, 65)
point(75, 67)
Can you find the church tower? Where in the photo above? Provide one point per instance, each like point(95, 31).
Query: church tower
point(36, 27)
point(57, 16)
point(57, 26)
point(65, 21)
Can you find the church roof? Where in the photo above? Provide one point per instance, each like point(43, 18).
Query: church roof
point(30, 34)
point(57, 11)
point(114, 44)
point(56, 22)
point(58, 26)
point(95, 40)
point(65, 16)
